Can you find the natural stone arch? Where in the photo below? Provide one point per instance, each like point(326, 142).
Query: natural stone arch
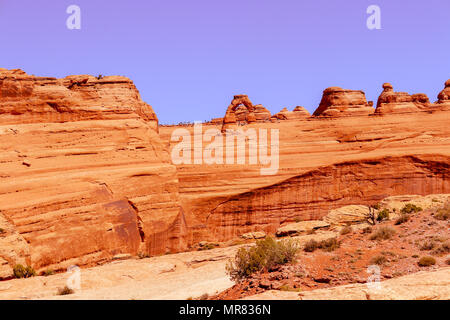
point(230, 115)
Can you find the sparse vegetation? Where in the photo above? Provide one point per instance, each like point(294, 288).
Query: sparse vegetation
point(286, 287)
point(444, 248)
point(402, 219)
point(426, 261)
point(367, 230)
point(443, 214)
point(266, 254)
point(382, 233)
point(379, 260)
point(65, 291)
point(23, 272)
point(428, 245)
point(383, 215)
point(2, 231)
point(311, 246)
point(48, 272)
point(410, 208)
point(329, 244)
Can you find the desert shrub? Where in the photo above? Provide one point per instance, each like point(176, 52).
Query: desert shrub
point(2, 230)
point(23, 272)
point(286, 287)
point(376, 206)
point(427, 245)
point(346, 230)
point(443, 214)
point(383, 215)
point(379, 260)
point(426, 261)
point(444, 248)
point(311, 245)
point(382, 233)
point(267, 253)
point(329, 244)
point(367, 230)
point(48, 272)
point(410, 208)
point(402, 219)
point(65, 291)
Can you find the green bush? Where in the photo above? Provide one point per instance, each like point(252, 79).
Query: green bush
point(23, 272)
point(266, 254)
point(402, 219)
point(383, 215)
point(426, 261)
point(383, 233)
point(410, 208)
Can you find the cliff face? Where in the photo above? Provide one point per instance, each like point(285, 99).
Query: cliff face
point(84, 175)
point(324, 161)
point(311, 195)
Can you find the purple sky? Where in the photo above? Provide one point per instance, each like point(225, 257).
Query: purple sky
point(188, 58)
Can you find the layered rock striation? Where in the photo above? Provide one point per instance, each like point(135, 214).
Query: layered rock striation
point(342, 102)
point(84, 175)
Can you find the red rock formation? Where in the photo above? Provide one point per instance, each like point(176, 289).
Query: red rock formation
point(297, 113)
point(241, 110)
point(30, 99)
point(400, 102)
point(338, 102)
point(84, 175)
point(311, 195)
point(444, 97)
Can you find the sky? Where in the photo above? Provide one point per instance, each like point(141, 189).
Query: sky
point(188, 58)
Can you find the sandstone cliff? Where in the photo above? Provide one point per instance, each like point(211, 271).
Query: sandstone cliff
point(84, 175)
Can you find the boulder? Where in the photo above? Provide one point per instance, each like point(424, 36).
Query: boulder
point(293, 229)
point(351, 214)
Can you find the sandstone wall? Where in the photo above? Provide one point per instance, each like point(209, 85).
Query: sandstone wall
point(83, 173)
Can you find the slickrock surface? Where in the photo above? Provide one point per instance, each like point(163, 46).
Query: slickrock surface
point(341, 102)
point(431, 285)
point(83, 173)
point(296, 114)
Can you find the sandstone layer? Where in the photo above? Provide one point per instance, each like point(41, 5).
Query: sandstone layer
point(342, 102)
point(84, 175)
point(87, 176)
